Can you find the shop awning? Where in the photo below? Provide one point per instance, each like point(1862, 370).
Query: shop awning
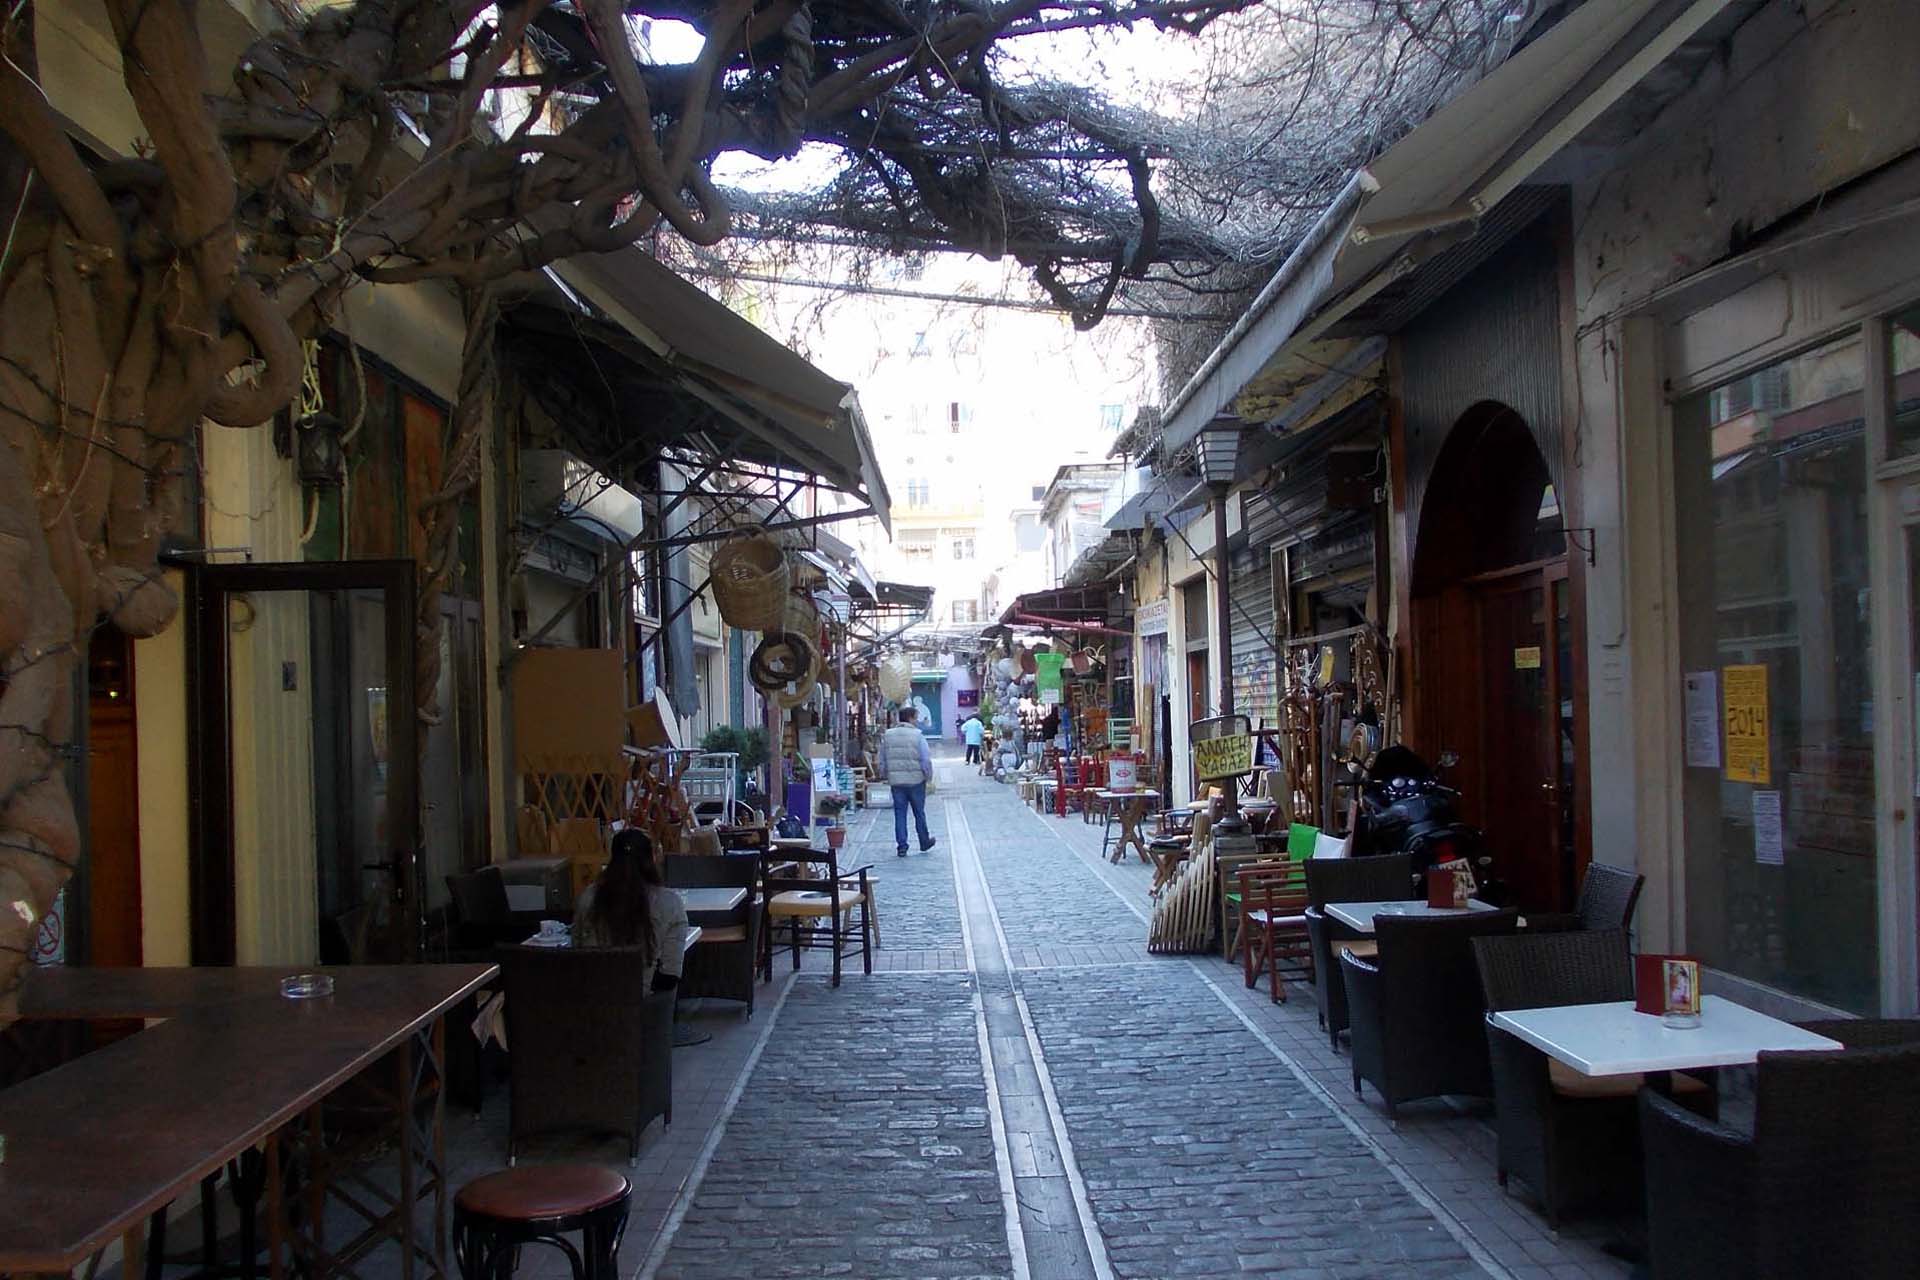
point(1420, 195)
point(793, 414)
point(1060, 606)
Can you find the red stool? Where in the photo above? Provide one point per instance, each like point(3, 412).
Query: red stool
point(495, 1215)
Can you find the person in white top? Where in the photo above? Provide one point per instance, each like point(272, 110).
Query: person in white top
point(630, 906)
point(906, 763)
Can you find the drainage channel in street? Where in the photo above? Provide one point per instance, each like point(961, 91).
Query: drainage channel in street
point(1053, 1234)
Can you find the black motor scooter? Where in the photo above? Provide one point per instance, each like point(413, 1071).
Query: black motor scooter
point(1406, 808)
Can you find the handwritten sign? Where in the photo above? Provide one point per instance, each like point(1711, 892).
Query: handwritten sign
point(1527, 658)
point(1744, 707)
point(1228, 757)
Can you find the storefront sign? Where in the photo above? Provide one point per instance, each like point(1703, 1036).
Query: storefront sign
point(1748, 756)
point(1228, 757)
point(1152, 619)
point(1046, 675)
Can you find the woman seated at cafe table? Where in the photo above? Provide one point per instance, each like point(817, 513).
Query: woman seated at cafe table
point(629, 906)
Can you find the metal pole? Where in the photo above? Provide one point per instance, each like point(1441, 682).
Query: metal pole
point(840, 698)
point(1231, 822)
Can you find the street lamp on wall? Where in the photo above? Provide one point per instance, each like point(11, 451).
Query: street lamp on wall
point(1219, 446)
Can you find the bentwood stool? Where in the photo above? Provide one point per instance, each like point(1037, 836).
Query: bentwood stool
point(537, 1204)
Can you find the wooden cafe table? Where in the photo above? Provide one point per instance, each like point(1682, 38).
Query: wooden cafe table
point(95, 1148)
point(1129, 809)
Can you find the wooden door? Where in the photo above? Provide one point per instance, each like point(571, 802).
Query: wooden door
point(1525, 760)
point(113, 926)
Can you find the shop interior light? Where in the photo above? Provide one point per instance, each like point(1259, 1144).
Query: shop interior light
point(1220, 449)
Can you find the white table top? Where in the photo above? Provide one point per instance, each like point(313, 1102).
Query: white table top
point(566, 939)
point(1138, 793)
point(1359, 915)
point(722, 898)
point(1612, 1039)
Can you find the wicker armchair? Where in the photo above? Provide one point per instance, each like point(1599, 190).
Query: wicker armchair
point(1570, 1140)
point(588, 1048)
point(1387, 878)
point(1416, 1008)
point(1608, 896)
point(723, 963)
point(1825, 1185)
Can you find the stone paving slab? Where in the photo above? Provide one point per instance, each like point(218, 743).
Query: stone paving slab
point(1201, 1155)
point(862, 1147)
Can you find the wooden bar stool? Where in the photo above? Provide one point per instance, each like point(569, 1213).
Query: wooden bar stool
point(493, 1216)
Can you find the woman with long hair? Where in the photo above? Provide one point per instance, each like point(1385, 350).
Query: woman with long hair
point(628, 905)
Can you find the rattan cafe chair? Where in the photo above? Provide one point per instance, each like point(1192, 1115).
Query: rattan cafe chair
point(1387, 877)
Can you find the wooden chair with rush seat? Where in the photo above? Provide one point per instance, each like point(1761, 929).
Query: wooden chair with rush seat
point(817, 911)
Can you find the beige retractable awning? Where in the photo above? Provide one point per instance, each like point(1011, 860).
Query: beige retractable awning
point(796, 412)
point(1457, 165)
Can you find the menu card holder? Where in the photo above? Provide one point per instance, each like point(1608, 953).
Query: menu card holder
point(1668, 986)
point(1449, 885)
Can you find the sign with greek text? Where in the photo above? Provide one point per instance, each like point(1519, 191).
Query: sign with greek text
point(1228, 757)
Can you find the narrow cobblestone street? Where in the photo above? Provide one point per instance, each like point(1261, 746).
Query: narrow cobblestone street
point(1020, 1092)
point(1001, 1077)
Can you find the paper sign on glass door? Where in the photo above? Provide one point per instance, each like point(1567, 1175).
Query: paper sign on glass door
point(1702, 690)
point(1747, 726)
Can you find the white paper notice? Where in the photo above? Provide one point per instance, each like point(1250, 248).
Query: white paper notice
point(1703, 719)
point(1768, 845)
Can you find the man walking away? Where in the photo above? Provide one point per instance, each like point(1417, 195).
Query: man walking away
point(907, 764)
point(974, 732)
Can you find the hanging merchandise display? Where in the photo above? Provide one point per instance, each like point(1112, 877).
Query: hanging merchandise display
point(1046, 680)
point(896, 678)
point(750, 579)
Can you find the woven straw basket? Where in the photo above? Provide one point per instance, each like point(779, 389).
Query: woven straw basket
point(750, 580)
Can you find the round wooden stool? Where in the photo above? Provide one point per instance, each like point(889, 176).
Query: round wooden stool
point(536, 1204)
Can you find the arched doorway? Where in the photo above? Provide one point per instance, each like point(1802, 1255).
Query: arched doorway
point(1494, 649)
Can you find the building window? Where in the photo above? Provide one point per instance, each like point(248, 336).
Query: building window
point(963, 548)
point(1770, 485)
point(966, 611)
point(1111, 416)
point(919, 493)
point(916, 544)
point(1027, 533)
point(920, 349)
point(958, 416)
point(1039, 493)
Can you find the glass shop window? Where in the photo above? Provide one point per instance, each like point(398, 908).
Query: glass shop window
point(1771, 526)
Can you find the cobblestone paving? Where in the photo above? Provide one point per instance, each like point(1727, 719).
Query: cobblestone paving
point(1043, 893)
point(862, 1145)
point(1201, 1155)
point(862, 1149)
point(918, 910)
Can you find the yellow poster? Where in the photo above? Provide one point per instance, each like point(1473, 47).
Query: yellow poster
point(1745, 703)
point(1326, 664)
point(1227, 757)
point(1527, 659)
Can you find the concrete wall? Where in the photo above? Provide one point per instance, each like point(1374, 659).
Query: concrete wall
point(1807, 98)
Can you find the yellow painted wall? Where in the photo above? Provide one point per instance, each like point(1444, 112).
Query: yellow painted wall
point(160, 721)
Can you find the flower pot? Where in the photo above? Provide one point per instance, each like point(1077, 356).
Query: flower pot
point(836, 837)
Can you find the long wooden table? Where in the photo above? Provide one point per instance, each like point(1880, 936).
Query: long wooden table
point(95, 1147)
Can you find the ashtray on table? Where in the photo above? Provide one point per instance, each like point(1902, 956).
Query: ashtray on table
point(306, 986)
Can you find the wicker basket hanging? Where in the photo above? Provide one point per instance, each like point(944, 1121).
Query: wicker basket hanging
point(750, 580)
point(896, 678)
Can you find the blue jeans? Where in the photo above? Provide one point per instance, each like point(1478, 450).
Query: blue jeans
point(915, 795)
